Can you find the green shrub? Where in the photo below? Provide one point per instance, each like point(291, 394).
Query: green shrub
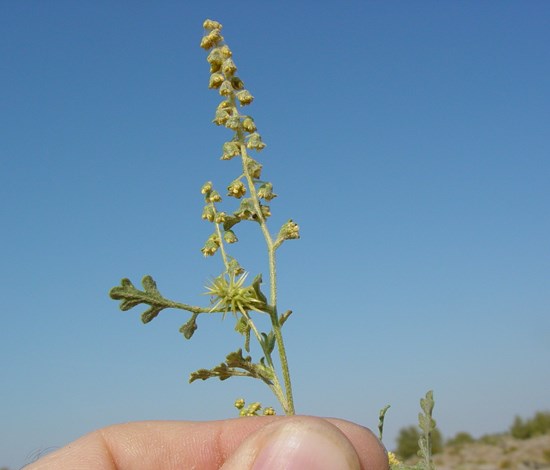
point(460, 438)
point(519, 429)
point(536, 426)
point(407, 442)
point(490, 439)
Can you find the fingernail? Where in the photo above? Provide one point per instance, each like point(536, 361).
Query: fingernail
point(304, 445)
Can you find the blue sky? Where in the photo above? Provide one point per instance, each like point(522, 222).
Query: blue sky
point(408, 139)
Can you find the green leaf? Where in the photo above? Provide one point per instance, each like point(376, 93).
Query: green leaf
point(236, 359)
point(256, 286)
point(150, 313)
point(130, 297)
point(427, 403)
point(150, 295)
point(284, 317)
point(427, 425)
point(243, 327)
point(127, 293)
point(381, 418)
point(222, 372)
point(235, 365)
point(269, 342)
point(190, 327)
point(150, 286)
point(230, 221)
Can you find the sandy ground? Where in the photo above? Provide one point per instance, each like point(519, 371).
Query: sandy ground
point(505, 453)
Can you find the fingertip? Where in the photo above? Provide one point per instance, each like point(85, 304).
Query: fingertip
point(302, 442)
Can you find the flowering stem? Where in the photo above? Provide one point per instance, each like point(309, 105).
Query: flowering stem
point(223, 78)
point(222, 247)
point(227, 291)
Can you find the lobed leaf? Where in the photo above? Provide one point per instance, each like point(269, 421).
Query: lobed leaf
point(235, 365)
point(130, 297)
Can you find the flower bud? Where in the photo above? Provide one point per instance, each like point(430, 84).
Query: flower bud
point(265, 191)
point(233, 123)
point(229, 67)
point(211, 245)
point(216, 80)
point(215, 59)
point(254, 407)
point(230, 150)
point(248, 124)
point(235, 268)
point(220, 217)
point(230, 237)
point(255, 141)
point(266, 211)
point(244, 97)
point(211, 24)
point(213, 38)
point(206, 187)
point(239, 404)
point(289, 231)
point(213, 196)
point(246, 210)
point(226, 89)
point(215, 56)
point(221, 117)
point(225, 51)
point(209, 249)
point(236, 189)
point(237, 83)
point(208, 213)
point(269, 411)
point(254, 168)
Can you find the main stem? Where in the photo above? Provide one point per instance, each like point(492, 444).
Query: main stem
point(275, 322)
point(278, 333)
point(275, 386)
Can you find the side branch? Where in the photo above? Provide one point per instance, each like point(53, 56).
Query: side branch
point(131, 297)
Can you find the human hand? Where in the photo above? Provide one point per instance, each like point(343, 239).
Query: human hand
point(255, 443)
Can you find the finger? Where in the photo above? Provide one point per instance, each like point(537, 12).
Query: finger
point(295, 443)
point(176, 445)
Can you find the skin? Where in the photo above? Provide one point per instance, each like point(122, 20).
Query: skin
point(228, 444)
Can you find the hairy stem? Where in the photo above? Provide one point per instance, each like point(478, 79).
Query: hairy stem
point(289, 402)
point(276, 386)
point(222, 247)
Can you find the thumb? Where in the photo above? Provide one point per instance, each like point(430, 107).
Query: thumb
point(299, 442)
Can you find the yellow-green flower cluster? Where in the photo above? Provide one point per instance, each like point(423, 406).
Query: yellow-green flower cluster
point(265, 191)
point(253, 409)
point(239, 403)
point(236, 189)
point(211, 214)
point(211, 245)
point(289, 231)
point(223, 77)
point(214, 36)
point(393, 460)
